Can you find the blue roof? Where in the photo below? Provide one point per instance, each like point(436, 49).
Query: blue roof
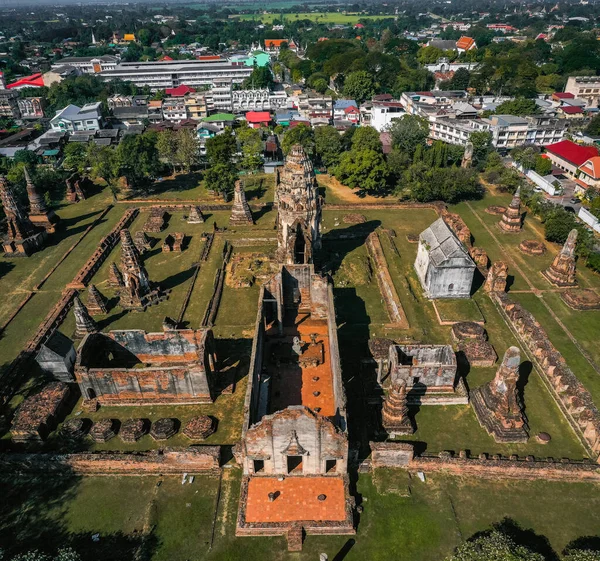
point(344, 104)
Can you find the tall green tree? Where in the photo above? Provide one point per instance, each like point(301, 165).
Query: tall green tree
point(187, 154)
point(221, 179)
point(166, 145)
point(301, 134)
point(359, 86)
point(365, 170)
point(328, 145)
point(221, 148)
point(251, 148)
point(408, 132)
point(366, 138)
point(494, 546)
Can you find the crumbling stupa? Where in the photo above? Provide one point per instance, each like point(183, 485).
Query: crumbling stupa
point(241, 215)
point(511, 219)
point(561, 272)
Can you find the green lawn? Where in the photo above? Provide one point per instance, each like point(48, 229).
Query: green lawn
point(458, 310)
point(171, 521)
point(319, 17)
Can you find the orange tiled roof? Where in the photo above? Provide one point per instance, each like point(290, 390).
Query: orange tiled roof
point(592, 167)
point(465, 43)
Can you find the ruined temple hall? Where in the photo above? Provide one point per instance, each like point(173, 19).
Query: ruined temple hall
point(298, 209)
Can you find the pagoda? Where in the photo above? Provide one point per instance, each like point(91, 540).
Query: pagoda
point(39, 214)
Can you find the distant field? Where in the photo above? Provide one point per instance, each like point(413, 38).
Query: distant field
point(320, 17)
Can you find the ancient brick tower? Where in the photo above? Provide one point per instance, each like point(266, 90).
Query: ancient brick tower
point(241, 215)
point(136, 285)
point(84, 324)
point(195, 216)
point(298, 209)
point(22, 238)
point(96, 303)
point(497, 404)
point(562, 270)
point(497, 277)
point(511, 219)
point(394, 414)
point(38, 211)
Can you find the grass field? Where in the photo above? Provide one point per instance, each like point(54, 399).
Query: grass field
point(318, 17)
point(170, 521)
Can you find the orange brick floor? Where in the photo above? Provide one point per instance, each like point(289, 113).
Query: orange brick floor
point(295, 385)
point(297, 499)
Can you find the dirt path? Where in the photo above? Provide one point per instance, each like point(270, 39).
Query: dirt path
point(346, 194)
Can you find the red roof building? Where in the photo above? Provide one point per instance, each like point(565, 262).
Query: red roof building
point(465, 44)
point(257, 119)
point(33, 81)
point(571, 110)
point(568, 156)
point(589, 174)
point(179, 91)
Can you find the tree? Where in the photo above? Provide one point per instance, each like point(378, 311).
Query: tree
point(26, 157)
point(261, 77)
point(137, 159)
point(320, 85)
point(251, 148)
point(328, 145)
point(518, 107)
point(187, 153)
point(593, 127)
point(408, 132)
point(460, 80)
point(493, 546)
point(482, 145)
point(366, 138)
point(301, 134)
point(221, 179)
point(582, 554)
point(75, 157)
point(166, 145)
point(363, 169)
point(359, 86)
point(450, 185)
point(103, 164)
point(543, 166)
point(221, 148)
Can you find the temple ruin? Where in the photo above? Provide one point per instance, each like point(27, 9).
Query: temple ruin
point(39, 214)
point(241, 215)
point(561, 272)
point(134, 367)
point(84, 324)
point(443, 264)
point(394, 414)
point(96, 302)
point(497, 404)
point(22, 237)
point(511, 221)
point(298, 209)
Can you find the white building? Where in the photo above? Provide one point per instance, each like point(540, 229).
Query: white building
point(585, 87)
point(160, 75)
point(73, 118)
point(88, 64)
point(384, 112)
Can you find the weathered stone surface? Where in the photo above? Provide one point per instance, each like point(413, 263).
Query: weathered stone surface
point(511, 219)
point(497, 404)
point(496, 210)
point(133, 429)
point(75, 428)
point(163, 429)
point(39, 214)
point(38, 415)
point(497, 277)
point(480, 256)
point(561, 272)
point(115, 278)
point(298, 209)
point(103, 430)
point(22, 237)
point(581, 299)
point(394, 414)
point(96, 302)
point(174, 242)
point(142, 242)
point(195, 215)
point(199, 428)
point(135, 367)
point(478, 352)
point(458, 226)
point(532, 247)
point(354, 218)
point(84, 324)
point(241, 215)
point(468, 330)
point(157, 220)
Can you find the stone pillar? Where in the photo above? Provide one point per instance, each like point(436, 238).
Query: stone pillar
point(195, 216)
point(241, 215)
point(38, 211)
point(561, 272)
point(395, 411)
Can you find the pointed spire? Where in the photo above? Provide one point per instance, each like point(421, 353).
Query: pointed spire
point(511, 219)
point(240, 212)
point(36, 200)
point(96, 303)
point(569, 248)
point(115, 278)
point(195, 216)
point(394, 414)
point(19, 227)
point(84, 324)
point(136, 284)
point(561, 272)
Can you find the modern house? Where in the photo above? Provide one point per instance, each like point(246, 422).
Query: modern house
point(73, 118)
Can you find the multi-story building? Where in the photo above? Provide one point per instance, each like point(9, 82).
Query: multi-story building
point(31, 107)
point(8, 101)
point(160, 75)
point(73, 118)
point(569, 157)
point(88, 64)
point(585, 87)
point(174, 109)
point(384, 112)
point(195, 106)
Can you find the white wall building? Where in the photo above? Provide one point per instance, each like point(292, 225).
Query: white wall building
point(88, 64)
point(384, 112)
point(73, 118)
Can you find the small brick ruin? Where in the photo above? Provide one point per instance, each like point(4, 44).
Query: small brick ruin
point(75, 428)
point(512, 221)
point(354, 218)
point(581, 299)
point(103, 430)
point(38, 415)
point(561, 272)
point(133, 429)
point(156, 221)
point(174, 242)
point(199, 428)
point(115, 278)
point(76, 188)
point(163, 429)
point(394, 414)
point(532, 247)
point(142, 242)
point(241, 215)
point(496, 210)
point(195, 215)
point(96, 302)
point(497, 404)
point(473, 343)
point(497, 277)
point(480, 256)
point(458, 226)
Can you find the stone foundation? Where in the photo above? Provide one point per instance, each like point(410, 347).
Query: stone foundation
point(581, 300)
point(496, 210)
point(532, 247)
